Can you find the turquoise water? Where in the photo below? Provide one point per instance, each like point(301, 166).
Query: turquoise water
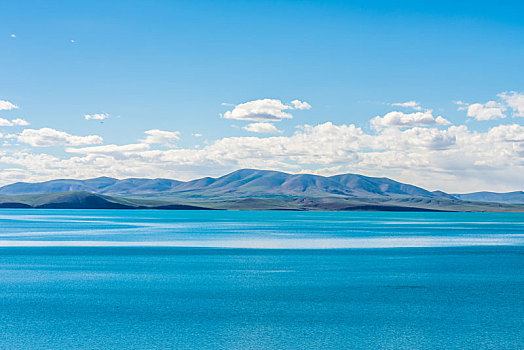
point(94, 279)
point(294, 230)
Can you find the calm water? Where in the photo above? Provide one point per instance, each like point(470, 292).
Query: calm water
point(222, 280)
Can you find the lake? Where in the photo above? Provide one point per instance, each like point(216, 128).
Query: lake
point(105, 279)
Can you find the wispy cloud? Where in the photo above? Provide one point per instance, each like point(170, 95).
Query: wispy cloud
point(111, 149)
point(409, 104)
point(19, 122)
point(515, 101)
point(47, 137)
point(13, 122)
point(161, 137)
point(262, 128)
point(97, 116)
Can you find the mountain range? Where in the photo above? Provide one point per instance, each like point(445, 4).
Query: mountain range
point(257, 189)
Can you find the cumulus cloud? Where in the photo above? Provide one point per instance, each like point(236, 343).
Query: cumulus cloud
point(262, 128)
point(46, 137)
point(416, 138)
point(515, 101)
point(13, 122)
point(454, 158)
point(161, 136)
point(409, 104)
point(487, 111)
point(300, 104)
point(509, 100)
point(264, 110)
point(507, 133)
point(98, 116)
point(6, 105)
point(416, 147)
point(403, 120)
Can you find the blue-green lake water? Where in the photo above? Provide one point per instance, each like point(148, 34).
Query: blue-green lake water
point(103, 279)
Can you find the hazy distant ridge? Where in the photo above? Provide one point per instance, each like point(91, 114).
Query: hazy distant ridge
point(244, 182)
point(507, 197)
point(260, 189)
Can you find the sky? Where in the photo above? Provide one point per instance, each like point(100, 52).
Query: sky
point(430, 94)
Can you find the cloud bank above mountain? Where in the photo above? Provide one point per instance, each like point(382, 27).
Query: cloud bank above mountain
point(416, 147)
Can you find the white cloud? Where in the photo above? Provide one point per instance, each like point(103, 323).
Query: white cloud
point(264, 110)
point(111, 149)
point(495, 109)
point(415, 138)
point(197, 135)
point(515, 101)
point(402, 120)
point(161, 136)
point(46, 137)
point(409, 104)
point(507, 133)
point(13, 36)
point(5, 122)
point(13, 122)
point(452, 159)
point(98, 116)
point(417, 148)
point(487, 111)
point(262, 128)
point(300, 104)
point(6, 105)
point(19, 122)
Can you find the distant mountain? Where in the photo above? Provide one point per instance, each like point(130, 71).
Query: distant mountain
point(85, 200)
point(253, 189)
point(508, 197)
point(102, 185)
point(245, 182)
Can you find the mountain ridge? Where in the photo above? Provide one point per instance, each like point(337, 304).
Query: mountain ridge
point(254, 183)
point(86, 200)
point(240, 181)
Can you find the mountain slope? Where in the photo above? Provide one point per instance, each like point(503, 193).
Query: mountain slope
point(102, 185)
point(85, 200)
point(365, 186)
point(260, 184)
point(240, 183)
point(508, 197)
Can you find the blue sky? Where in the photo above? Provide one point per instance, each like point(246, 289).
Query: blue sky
point(178, 66)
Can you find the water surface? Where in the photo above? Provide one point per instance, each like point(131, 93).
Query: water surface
point(229, 229)
point(382, 280)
